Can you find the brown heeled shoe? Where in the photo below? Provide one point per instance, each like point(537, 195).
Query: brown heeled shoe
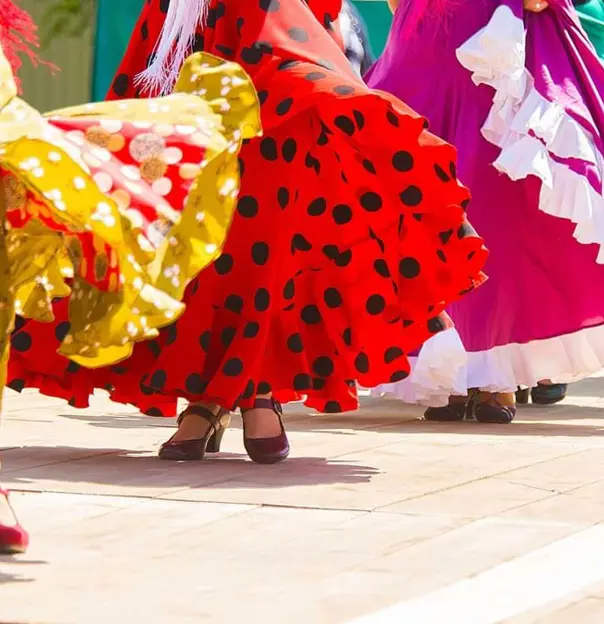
point(267, 450)
point(495, 408)
point(194, 450)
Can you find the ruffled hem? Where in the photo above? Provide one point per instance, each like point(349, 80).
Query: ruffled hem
point(129, 263)
point(563, 359)
point(436, 373)
point(534, 134)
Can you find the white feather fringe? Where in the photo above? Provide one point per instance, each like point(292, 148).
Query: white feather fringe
point(174, 45)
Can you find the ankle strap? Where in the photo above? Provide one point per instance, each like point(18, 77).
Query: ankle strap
point(271, 404)
point(214, 420)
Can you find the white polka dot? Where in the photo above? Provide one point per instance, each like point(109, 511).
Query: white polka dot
point(172, 155)
point(185, 129)
point(103, 180)
point(111, 125)
point(162, 186)
point(131, 172)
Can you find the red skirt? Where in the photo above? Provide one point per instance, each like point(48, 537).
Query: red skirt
point(349, 240)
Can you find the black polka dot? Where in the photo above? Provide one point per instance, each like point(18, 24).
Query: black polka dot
point(260, 253)
point(233, 367)
point(381, 267)
point(158, 379)
point(249, 391)
point(343, 90)
point(392, 354)
point(262, 96)
point(347, 337)
point(121, 84)
point(453, 170)
point(359, 119)
point(170, 334)
point(205, 340)
point(371, 201)
point(17, 385)
point(316, 75)
point(294, 343)
point(270, 6)
point(345, 124)
point(317, 207)
point(435, 325)
point(227, 336)
point(411, 196)
point(255, 52)
point(298, 34)
point(234, 303)
point(264, 387)
point(284, 106)
point(310, 315)
point(262, 300)
point(333, 299)
point(164, 5)
point(441, 173)
point(289, 290)
point(402, 161)
point(340, 258)
point(342, 214)
point(300, 243)
point(361, 363)
point(318, 384)
point(398, 376)
point(72, 367)
point(322, 366)
point(21, 342)
point(445, 236)
point(392, 118)
point(375, 304)
point(369, 166)
point(409, 268)
point(332, 407)
point(268, 148)
point(251, 330)
point(61, 330)
point(283, 197)
point(224, 264)
point(194, 384)
point(289, 149)
point(302, 381)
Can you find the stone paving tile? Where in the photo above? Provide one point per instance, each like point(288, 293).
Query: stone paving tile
point(372, 509)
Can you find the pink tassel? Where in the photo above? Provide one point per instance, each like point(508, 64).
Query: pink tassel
point(426, 13)
point(174, 45)
point(18, 34)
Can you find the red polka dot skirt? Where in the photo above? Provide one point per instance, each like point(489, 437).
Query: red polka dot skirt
point(349, 241)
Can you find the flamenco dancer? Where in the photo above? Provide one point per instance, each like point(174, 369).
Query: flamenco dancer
point(103, 195)
point(348, 242)
point(520, 95)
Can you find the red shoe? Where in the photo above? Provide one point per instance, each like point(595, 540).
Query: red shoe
point(13, 537)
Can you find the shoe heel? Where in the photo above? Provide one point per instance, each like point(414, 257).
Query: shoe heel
point(215, 442)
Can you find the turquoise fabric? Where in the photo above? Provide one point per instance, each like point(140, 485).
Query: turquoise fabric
point(378, 18)
point(591, 14)
point(114, 27)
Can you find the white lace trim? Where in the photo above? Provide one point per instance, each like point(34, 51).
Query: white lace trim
point(530, 130)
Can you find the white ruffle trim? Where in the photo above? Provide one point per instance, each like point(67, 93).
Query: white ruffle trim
point(530, 129)
point(437, 372)
point(444, 371)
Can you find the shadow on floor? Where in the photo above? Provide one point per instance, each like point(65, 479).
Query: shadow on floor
point(122, 468)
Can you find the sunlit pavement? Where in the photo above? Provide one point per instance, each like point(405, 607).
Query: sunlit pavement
point(377, 517)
